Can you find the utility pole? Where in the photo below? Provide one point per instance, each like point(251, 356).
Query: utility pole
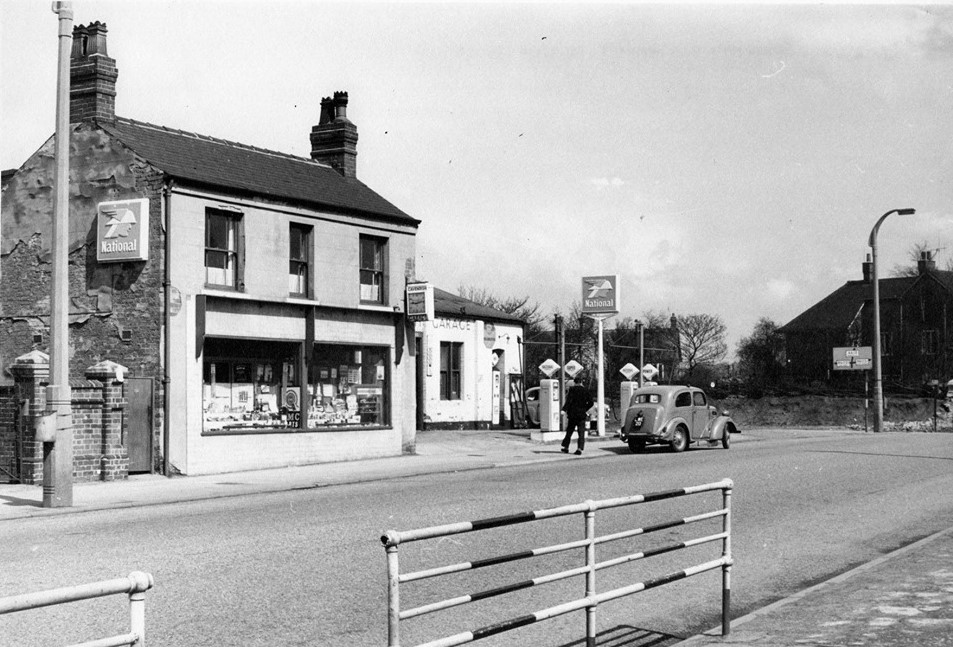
point(641, 353)
point(561, 350)
point(58, 455)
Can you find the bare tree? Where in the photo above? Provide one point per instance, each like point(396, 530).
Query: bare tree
point(701, 340)
point(516, 306)
point(914, 254)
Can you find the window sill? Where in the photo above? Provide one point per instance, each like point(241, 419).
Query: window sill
point(253, 431)
point(377, 307)
point(223, 289)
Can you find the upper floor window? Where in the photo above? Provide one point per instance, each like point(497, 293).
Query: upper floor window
point(223, 239)
point(928, 342)
point(373, 268)
point(299, 257)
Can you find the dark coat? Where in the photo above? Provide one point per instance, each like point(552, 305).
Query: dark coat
point(578, 402)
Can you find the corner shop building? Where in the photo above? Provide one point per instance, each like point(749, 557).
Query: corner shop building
point(259, 320)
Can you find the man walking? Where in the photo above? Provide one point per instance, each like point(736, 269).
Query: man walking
point(578, 403)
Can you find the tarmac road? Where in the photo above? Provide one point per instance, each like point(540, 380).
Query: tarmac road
point(264, 569)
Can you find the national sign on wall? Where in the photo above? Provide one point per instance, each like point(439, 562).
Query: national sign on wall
point(122, 231)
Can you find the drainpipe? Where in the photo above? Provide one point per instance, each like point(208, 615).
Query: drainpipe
point(167, 316)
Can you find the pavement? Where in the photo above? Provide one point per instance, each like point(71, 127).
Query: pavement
point(902, 599)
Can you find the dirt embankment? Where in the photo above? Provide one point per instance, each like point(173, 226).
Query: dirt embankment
point(900, 414)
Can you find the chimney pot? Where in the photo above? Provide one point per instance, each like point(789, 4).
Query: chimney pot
point(334, 139)
point(926, 263)
point(327, 111)
point(92, 75)
point(867, 269)
point(340, 106)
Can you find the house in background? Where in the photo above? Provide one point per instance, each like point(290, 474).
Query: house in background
point(255, 299)
point(915, 322)
point(469, 365)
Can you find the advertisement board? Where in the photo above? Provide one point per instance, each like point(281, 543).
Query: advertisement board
point(122, 231)
point(600, 294)
point(419, 305)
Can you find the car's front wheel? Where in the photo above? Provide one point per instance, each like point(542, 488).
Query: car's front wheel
point(680, 439)
point(636, 445)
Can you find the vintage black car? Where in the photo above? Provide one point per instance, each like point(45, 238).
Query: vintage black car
point(677, 416)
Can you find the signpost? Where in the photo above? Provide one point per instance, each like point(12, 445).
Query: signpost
point(600, 300)
point(855, 358)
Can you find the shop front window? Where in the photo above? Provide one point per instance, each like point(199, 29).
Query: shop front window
point(348, 386)
point(249, 384)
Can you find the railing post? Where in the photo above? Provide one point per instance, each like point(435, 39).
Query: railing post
point(393, 597)
point(591, 574)
point(139, 583)
point(726, 568)
point(137, 616)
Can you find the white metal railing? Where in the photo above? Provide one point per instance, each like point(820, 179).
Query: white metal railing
point(135, 585)
point(392, 539)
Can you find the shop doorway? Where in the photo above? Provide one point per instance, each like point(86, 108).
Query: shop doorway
point(138, 392)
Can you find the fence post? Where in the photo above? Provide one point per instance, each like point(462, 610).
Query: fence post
point(139, 583)
point(591, 574)
point(393, 596)
point(726, 568)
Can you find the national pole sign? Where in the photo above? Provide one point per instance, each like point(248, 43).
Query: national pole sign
point(420, 302)
point(122, 231)
point(600, 294)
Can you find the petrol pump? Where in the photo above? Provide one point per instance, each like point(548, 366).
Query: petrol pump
point(550, 405)
point(625, 396)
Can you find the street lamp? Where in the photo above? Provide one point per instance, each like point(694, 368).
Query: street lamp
point(878, 379)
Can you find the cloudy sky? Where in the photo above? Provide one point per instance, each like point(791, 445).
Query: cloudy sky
point(721, 158)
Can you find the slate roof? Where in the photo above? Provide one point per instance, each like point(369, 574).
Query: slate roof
point(446, 303)
point(838, 309)
point(229, 165)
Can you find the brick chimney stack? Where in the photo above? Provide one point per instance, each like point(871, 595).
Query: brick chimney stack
point(92, 75)
point(868, 269)
point(926, 263)
point(334, 139)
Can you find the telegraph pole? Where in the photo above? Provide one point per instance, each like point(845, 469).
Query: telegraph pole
point(58, 455)
point(561, 349)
